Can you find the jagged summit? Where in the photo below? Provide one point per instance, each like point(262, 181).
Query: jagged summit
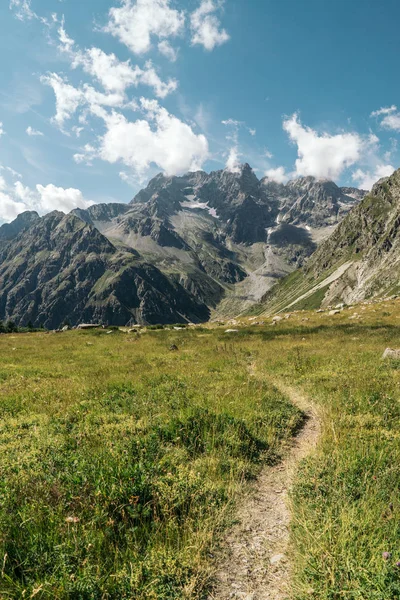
point(183, 246)
point(360, 260)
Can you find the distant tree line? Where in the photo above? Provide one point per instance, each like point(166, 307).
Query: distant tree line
point(11, 327)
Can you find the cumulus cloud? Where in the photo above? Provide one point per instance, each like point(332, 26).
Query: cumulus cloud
point(233, 161)
point(206, 27)
point(136, 22)
point(167, 50)
point(278, 175)
point(9, 208)
point(33, 132)
point(161, 139)
point(1, 129)
point(15, 198)
point(113, 74)
point(68, 98)
point(391, 117)
point(366, 179)
point(323, 155)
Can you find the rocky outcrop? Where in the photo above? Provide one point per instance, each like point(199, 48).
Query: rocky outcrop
point(312, 202)
point(9, 231)
point(360, 260)
point(62, 269)
point(182, 245)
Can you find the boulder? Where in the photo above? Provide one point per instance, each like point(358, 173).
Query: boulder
point(231, 330)
point(88, 326)
point(334, 312)
point(277, 319)
point(393, 353)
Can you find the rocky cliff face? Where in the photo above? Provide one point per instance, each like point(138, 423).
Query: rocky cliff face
point(312, 202)
point(9, 231)
point(360, 260)
point(62, 269)
point(176, 251)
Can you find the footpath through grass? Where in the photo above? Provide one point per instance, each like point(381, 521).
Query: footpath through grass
point(120, 459)
point(346, 503)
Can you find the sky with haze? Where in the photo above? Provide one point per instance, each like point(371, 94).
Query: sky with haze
point(98, 96)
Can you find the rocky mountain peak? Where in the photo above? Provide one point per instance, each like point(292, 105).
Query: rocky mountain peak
point(8, 231)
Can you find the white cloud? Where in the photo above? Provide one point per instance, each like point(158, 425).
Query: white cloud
point(52, 197)
point(168, 51)
point(252, 131)
point(232, 123)
point(366, 179)
point(9, 208)
point(233, 161)
point(1, 129)
point(278, 175)
point(16, 198)
point(391, 117)
point(68, 98)
point(322, 155)
point(205, 26)
point(392, 122)
point(45, 198)
point(162, 139)
point(33, 132)
point(136, 22)
point(14, 173)
point(3, 184)
point(113, 74)
point(385, 110)
point(22, 9)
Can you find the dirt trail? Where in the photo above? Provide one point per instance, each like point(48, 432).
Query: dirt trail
point(254, 564)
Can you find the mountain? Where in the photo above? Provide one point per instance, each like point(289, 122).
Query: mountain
point(360, 260)
point(63, 269)
point(9, 231)
point(183, 247)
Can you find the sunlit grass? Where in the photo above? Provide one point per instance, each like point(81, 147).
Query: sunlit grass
point(121, 460)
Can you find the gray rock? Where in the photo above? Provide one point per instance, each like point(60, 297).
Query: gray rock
point(392, 353)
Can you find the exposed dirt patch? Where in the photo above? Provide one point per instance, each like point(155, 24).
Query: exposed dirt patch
point(254, 564)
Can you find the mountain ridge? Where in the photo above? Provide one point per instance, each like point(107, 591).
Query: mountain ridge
point(183, 246)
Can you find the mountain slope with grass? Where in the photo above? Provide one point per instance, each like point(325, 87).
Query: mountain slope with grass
point(360, 260)
point(62, 269)
point(184, 248)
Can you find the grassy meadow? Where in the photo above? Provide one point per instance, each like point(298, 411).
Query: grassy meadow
point(121, 459)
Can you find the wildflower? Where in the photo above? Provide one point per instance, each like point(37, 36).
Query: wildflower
point(386, 555)
point(72, 520)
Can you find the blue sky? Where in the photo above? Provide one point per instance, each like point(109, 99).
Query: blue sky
point(98, 96)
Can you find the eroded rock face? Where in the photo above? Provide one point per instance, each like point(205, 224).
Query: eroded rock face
point(9, 231)
point(361, 259)
point(176, 251)
point(64, 269)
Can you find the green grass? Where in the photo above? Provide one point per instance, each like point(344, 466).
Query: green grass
point(121, 460)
